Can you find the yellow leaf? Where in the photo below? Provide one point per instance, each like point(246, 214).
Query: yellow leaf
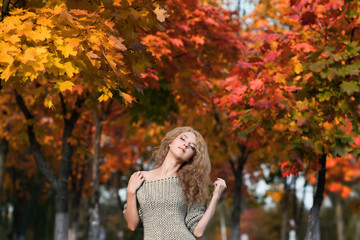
point(41, 50)
point(13, 39)
point(298, 68)
point(69, 69)
point(27, 29)
point(58, 41)
point(40, 34)
point(10, 23)
point(74, 42)
point(45, 21)
point(59, 9)
point(48, 103)
point(12, 50)
point(29, 55)
point(106, 94)
point(5, 57)
point(160, 14)
point(128, 98)
point(66, 85)
point(67, 50)
point(103, 98)
point(6, 74)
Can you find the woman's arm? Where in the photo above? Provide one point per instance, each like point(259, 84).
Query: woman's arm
point(220, 186)
point(131, 213)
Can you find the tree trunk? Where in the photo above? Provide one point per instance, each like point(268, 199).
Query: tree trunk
point(119, 185)
point(339, 218)
point(285, 214)
point(299, 216)
point(313, 228)
point(4, 147)
point(59, 185)
point(19, 217)
point(19, 220)
point(357, 230)
point(77, 186)
point(222, 222)
point(61, 213)
point(236, 213)
point(94, 210)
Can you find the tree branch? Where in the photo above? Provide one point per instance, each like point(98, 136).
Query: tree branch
point(67, 149)
point(34, 144)
point(63, 104)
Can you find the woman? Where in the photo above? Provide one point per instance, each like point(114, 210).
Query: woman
point(169, 200)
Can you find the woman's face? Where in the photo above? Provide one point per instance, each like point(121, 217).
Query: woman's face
point(183, 146)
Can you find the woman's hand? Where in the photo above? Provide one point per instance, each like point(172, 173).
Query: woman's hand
point(219, 187)
point(136, 179)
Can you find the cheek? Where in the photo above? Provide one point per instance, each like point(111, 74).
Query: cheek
point(191, 154)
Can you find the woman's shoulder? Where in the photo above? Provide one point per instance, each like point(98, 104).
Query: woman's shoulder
point(149, 175)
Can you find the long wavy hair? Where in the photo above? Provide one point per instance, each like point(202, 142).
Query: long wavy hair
point(194, 174)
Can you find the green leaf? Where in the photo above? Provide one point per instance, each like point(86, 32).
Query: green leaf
point(339, 150)
point(247, 117)
point(242, 134)
point(352, 48)
point(344, 138)
point(351, 70)
point(350, 87)
point(324, 96)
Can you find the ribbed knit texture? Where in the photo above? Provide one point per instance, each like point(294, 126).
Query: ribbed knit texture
point(163, 212)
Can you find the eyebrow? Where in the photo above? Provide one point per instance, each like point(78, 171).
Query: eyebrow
point(187, 137)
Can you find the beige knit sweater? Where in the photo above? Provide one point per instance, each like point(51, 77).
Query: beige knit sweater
point(163, 212)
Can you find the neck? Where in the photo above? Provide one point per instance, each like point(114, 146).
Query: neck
point(169, 167)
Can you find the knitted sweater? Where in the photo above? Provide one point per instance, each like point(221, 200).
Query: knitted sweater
point(163, 212)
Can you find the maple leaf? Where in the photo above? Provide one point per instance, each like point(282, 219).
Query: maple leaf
point(128, 98)
point(66, 85)
point(198, 39)
point(304, 47)
point(255, 84)
point(48, 103)
point(41, 33)
point(6, 74)
point(67, 50)
point(69, 69)
point(350, 87)
point(160, 14)
point(29, 55)
point(176, 42)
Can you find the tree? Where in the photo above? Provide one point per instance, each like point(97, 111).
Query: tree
point(296, 90)
point(58, 57)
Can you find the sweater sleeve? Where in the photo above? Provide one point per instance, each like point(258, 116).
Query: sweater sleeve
point(193, 216)
point(139, 211)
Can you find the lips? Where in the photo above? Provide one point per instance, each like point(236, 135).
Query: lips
point(182, 149)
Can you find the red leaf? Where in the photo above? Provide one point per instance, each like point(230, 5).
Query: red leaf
point(176, 42)
point(255, 84)
point(304, 47)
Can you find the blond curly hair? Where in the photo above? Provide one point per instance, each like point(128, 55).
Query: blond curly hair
point(194, 174)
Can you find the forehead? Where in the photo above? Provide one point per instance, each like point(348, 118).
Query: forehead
point(190, 135)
